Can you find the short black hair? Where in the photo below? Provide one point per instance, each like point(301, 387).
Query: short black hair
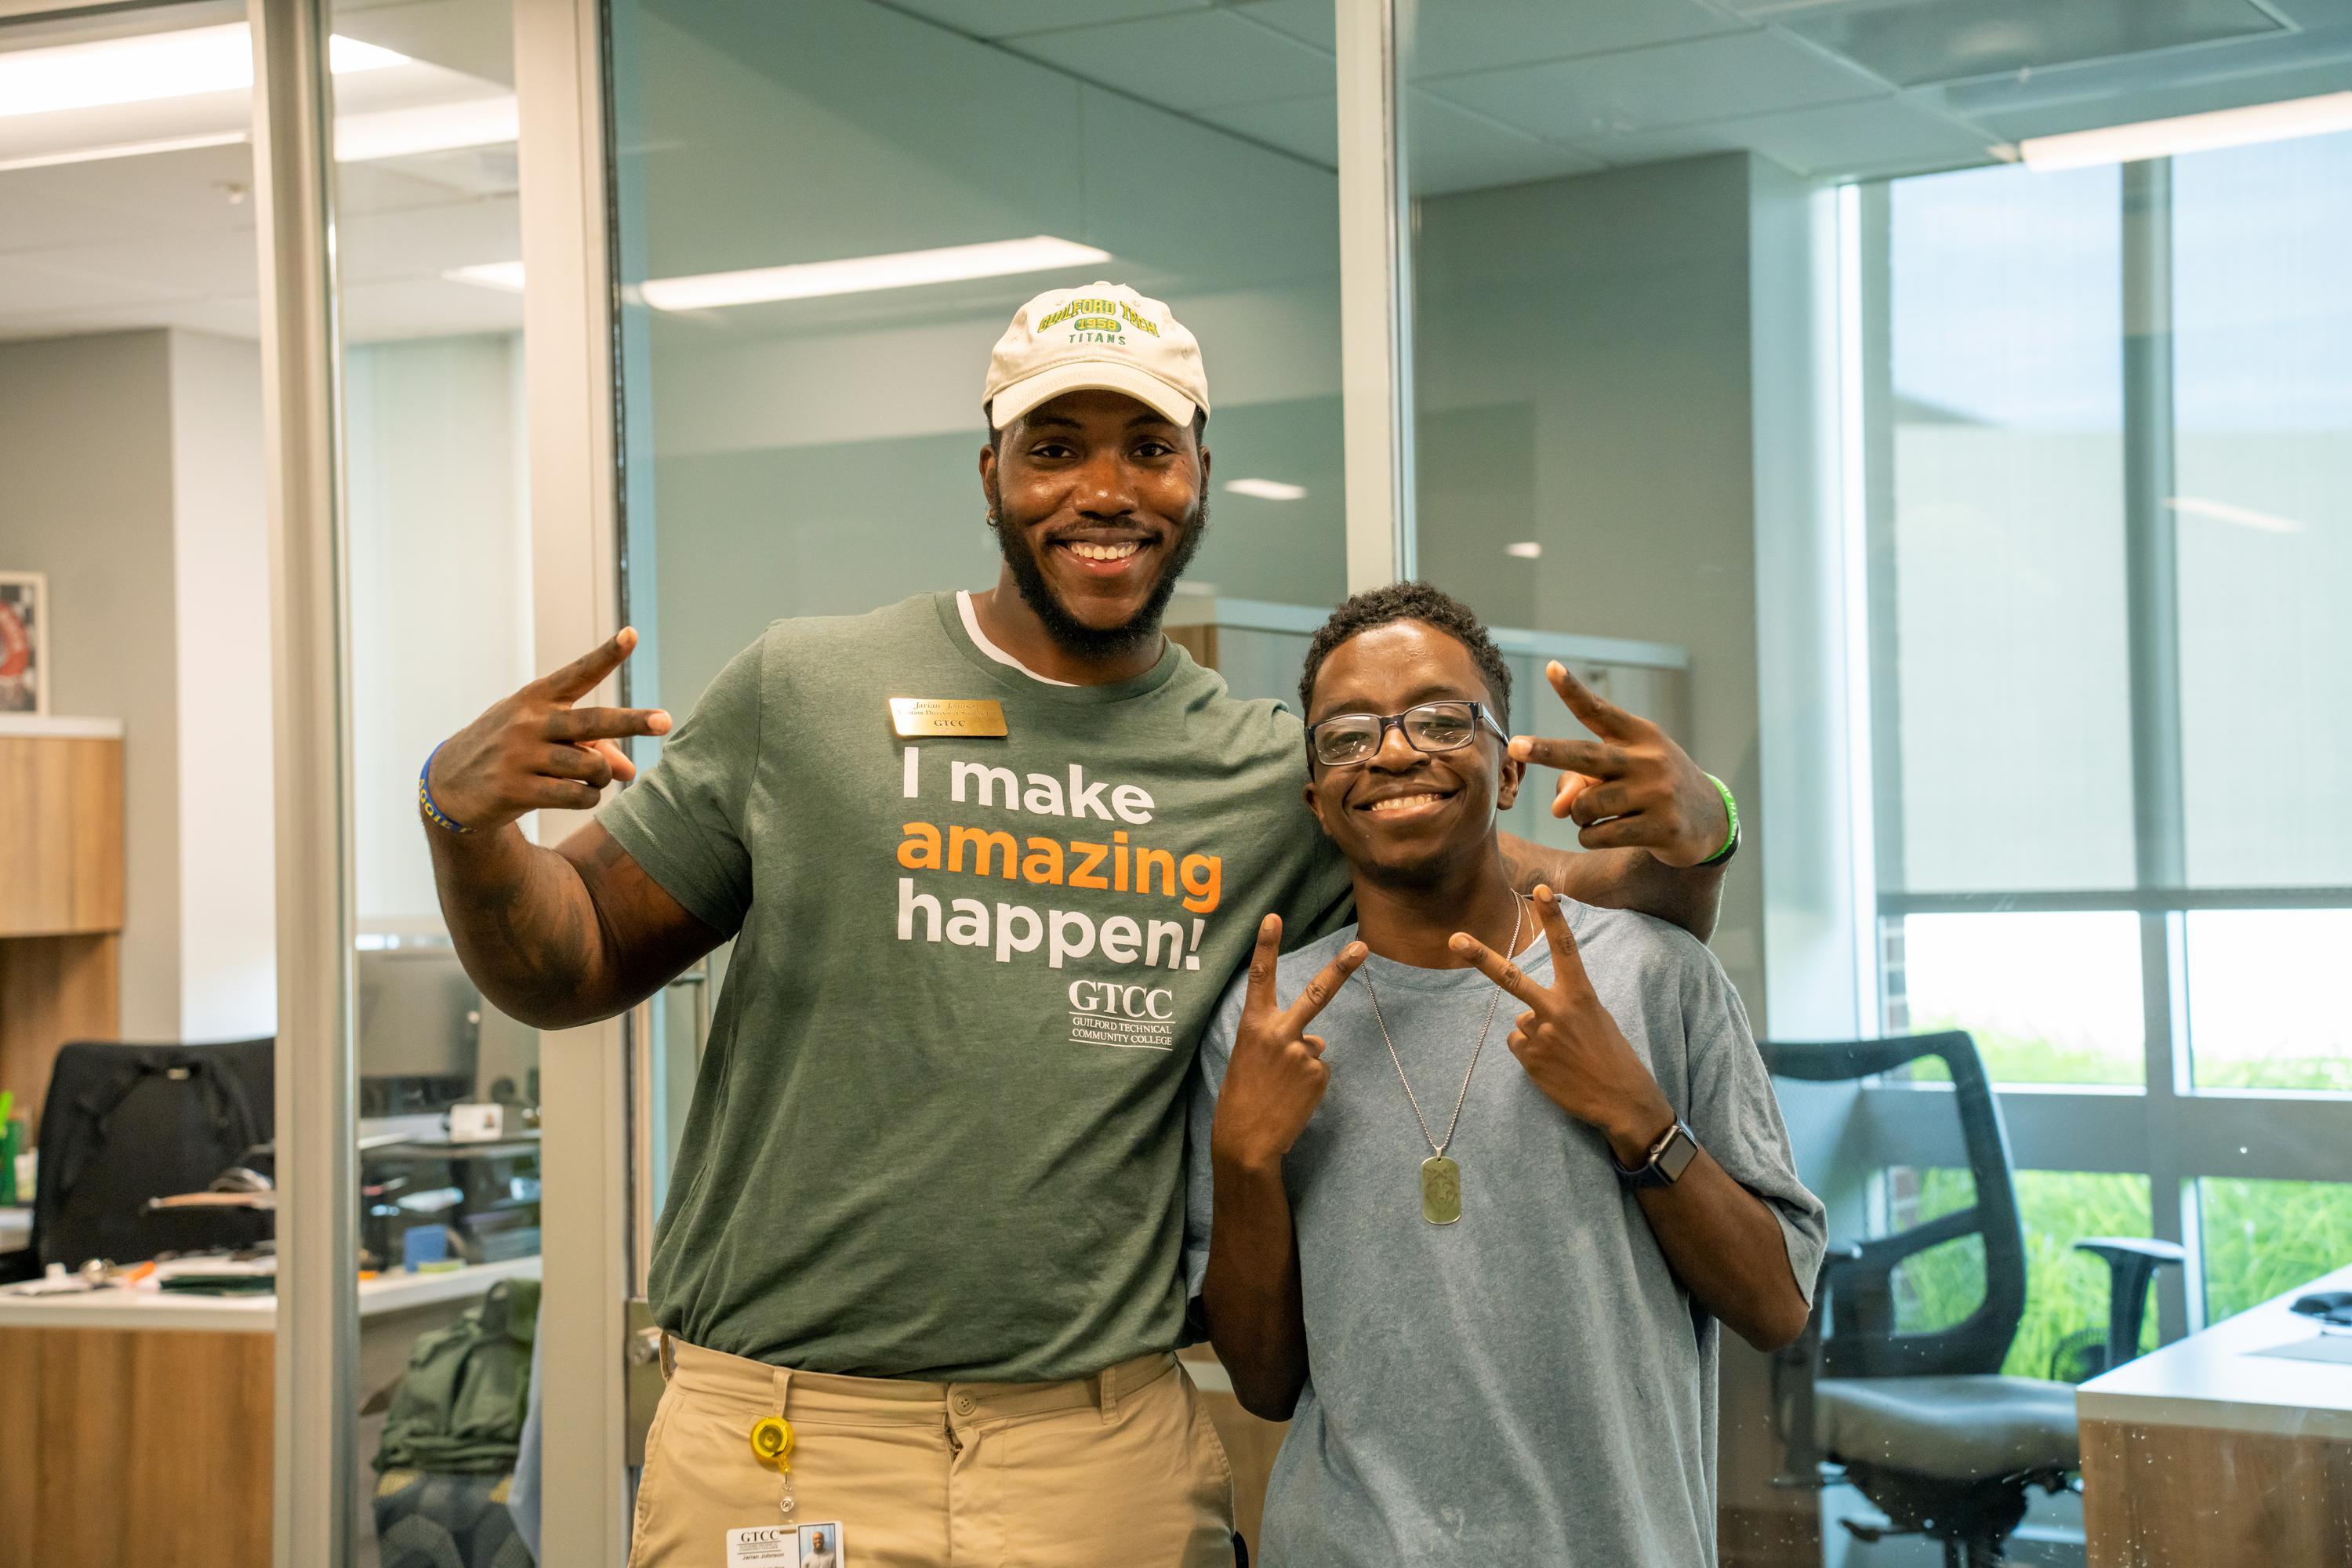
point(1200, 430)
point(1410, 602)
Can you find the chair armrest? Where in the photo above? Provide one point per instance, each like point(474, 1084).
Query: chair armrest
point(1795, 1369)
point(2132, 1262)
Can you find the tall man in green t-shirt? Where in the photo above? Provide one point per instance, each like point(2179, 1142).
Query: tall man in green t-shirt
point(988, 860)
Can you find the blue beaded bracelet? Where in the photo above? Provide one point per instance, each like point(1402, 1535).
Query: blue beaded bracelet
point(425, 797)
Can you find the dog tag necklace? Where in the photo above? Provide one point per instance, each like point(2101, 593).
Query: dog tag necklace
point(1440, 1178)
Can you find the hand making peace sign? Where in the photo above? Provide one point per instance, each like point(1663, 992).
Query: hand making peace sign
point(1277, 1074)
point(535, 749)
point(1569, 1045)
point(1630, 786)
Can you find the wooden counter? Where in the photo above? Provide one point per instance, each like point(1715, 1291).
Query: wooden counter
point(136, 1428)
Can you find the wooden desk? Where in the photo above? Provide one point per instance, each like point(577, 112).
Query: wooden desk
point(136, 1426)
point(2205, 1454)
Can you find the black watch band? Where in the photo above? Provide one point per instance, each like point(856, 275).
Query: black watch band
point(1669, 1157)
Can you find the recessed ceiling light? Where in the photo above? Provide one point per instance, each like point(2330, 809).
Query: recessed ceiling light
point(1266, 490)
point(1527, 550)
point(2190, 133)
point(862, 274)
point(150, 66)
point(506, 275)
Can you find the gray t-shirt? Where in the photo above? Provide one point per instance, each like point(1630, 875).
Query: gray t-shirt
point(1531, 1384)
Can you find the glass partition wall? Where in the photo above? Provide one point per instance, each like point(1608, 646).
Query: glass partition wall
point(1764, 362)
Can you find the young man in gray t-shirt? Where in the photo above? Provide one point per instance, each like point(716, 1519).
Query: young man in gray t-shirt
point(1483, 1286)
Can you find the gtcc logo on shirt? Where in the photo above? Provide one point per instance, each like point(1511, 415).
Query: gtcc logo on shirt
point(1108, 997)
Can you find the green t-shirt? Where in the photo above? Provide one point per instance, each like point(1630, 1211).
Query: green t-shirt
point(938, 1130)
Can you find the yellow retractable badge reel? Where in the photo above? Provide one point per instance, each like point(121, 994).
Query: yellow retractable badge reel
point(772, 1444)
point(771, 1440)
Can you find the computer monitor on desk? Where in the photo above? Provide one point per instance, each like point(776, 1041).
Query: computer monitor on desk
point(420, 1023)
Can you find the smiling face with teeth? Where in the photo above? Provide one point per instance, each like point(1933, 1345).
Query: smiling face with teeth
point(1406, 817)
point(1099, 502)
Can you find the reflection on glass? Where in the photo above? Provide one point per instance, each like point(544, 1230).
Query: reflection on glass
point(2008, 527)
point(2265, 1239)
point(2066, 1291)
point(815, 454)
point(2049, 998)
point(2262, 365)
point(2255, 1019)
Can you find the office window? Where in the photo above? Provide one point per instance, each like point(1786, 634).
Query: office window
point(2107, 416)
point(2263, 1238)
point(2066, 1291)
point(2258, 1015)
point(2049, 998)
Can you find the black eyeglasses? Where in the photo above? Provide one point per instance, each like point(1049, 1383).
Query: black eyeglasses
point(1346, 739)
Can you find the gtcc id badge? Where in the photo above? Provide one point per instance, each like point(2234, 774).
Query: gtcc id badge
point(787, 1546)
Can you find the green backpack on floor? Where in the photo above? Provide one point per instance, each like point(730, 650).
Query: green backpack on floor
point(460, 1405)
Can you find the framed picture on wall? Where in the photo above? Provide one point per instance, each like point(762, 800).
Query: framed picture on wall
point(24, 643)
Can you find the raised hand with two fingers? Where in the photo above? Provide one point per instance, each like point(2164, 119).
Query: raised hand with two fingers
point(1277, 1075)
point(536, 750)
point(1630, 786)
point(1569, 1045)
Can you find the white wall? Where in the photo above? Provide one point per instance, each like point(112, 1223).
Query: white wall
point(441, 621)
point(133, 465)
point(220, 554)
point(86, 497)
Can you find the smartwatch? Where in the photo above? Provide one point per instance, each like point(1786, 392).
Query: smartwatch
point(1669, 1157)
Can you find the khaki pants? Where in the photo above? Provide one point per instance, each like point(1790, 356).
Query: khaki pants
point(1123, 1467)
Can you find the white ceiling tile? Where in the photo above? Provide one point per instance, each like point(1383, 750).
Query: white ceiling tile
point(1670, 84)
point(1451, 36)
point(1881, 136)
point(1308, 127)
point(1006, 18)
point(31, 287)
point(182, 267)
point(1309, 20)
point(1198, 61)
point(425, 242)
point(1924, 41)
point(1449, 148)
point(187, 192)
point(33, 216)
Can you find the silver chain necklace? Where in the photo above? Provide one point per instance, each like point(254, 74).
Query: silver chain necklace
point(1440, 1178)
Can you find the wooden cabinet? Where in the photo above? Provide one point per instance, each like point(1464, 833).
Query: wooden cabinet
point(60, 835)
point(61, 891)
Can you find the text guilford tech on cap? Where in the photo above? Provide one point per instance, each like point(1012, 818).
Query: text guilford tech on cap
point(1104, 337)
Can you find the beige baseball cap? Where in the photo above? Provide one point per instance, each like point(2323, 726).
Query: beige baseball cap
point(1105, 336)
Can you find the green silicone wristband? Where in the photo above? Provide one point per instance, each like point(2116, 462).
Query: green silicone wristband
point(1731, 810)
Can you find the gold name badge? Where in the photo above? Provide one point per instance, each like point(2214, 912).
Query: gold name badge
point(912, 716)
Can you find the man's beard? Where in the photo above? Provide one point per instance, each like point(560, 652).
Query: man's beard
point(1072, 635)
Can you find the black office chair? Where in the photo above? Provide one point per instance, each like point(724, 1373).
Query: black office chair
point(125, 1123)
point(1924, 1424)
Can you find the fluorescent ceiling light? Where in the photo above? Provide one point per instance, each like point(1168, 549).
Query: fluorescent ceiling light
point(1527, 550)
point(2244, 516)
point(429, 128)
point(123, 150)
point(506, 275)
point(1266, 490)
point(151, 66)
point(861, 274)
point(2190, 133)
point(359, 138)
